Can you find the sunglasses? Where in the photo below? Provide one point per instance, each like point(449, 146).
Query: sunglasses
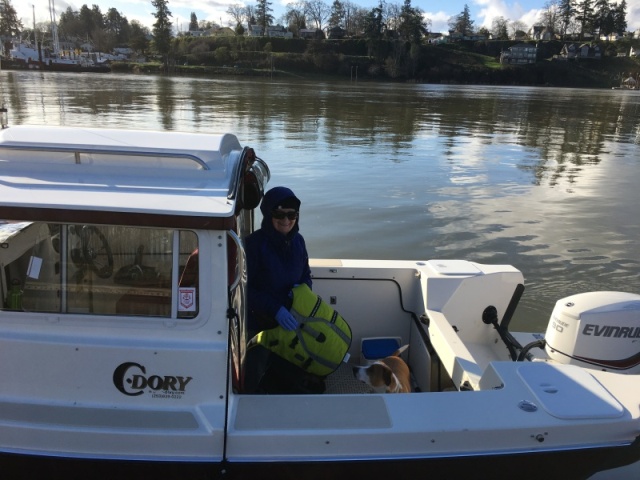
point(280, 214)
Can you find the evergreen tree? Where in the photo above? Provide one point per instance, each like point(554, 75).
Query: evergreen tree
point(584, 16)
point(373, 22)
point(116, 24)
point(263, 14)
point(602, 17)
point(620, 17)
point(412, 25)
point(138, 37)
point(193, 24)
point(336, 18)
point(9, 23)
point(566, 12)
point(90, 19)
point(70, 24)
point(462, 23)
point(162, 29)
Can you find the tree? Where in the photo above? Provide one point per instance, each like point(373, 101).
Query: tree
point(317, 11)
point(295, 16)
point(620, 17)
point(412, 24)
point(193, 23)
point(336, 16)
point(391, 16)
point(516, 27)
point(263, 14)
point(584, 16)
point(550, 16)
point(70, 24)
point(237, 13)
point(9, 23)
point(602, 19)
point(162, 34)
point(90, 19)
point(373, 22)
point(484, 32)
point(499, 28)
point(352, 17)
point(116, 24)
point(462, 22)
point(566, 13)
point(138, 38)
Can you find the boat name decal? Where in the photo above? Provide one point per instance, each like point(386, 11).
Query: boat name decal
point(131, 379)
point(611, 331)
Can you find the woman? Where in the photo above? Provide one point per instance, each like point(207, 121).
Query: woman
point(277, 260)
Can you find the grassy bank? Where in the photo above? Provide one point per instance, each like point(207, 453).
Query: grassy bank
point(475, 63)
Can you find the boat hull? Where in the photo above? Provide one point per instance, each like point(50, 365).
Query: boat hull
point(17, 64)
point(561, 465)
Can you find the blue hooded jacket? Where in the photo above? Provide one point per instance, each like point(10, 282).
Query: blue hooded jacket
point(275, 263)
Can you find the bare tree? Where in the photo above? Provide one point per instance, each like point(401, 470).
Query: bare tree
point(317, 11)
point(391, 14)
point(517, 26)
point(500, 28)
point(550, 16)
point(237, 13)
point(350, 17)
point(295, 16)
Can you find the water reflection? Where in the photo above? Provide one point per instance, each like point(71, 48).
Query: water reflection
point(544, 179)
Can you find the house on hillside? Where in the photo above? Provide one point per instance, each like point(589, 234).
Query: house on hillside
point(520, 54)
point(455, 36)
point(540, 32)
point(634, 52)
point(336, 33)
point(311, 33)
point(612, 37)
point(436, 37)
point(574, 51)
point(278, 31)
point(255, 31)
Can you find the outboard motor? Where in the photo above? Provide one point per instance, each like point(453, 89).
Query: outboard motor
point(599, 330)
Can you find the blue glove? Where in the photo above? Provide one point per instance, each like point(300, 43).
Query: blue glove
point(286, 320)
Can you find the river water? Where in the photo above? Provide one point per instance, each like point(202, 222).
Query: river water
point(547, 180)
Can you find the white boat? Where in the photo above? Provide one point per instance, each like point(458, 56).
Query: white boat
point(27, 56)
point(118, 357)
point(33, 56)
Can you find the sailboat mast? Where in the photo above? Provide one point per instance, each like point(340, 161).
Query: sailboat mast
point(35, 34)
point(54, 28)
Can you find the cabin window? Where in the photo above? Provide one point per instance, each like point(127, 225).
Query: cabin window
point(98, 269)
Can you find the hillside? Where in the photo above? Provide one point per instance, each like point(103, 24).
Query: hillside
point(461, 63)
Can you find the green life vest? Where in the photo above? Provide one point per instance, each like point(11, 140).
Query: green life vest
point(321, 341)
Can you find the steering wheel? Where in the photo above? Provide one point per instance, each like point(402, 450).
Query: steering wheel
point(94, 249)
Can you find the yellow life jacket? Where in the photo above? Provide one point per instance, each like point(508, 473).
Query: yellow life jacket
point(321, 341)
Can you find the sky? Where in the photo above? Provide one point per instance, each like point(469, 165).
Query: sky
point(438, 11)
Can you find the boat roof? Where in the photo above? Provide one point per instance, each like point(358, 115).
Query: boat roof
point(127, 171)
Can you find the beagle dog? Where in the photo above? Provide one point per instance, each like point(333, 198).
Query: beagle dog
point(387, 375)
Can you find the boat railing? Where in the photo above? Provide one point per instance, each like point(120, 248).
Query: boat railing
point(101, 157)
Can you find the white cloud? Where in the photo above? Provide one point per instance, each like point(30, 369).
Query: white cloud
point(439, 21)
